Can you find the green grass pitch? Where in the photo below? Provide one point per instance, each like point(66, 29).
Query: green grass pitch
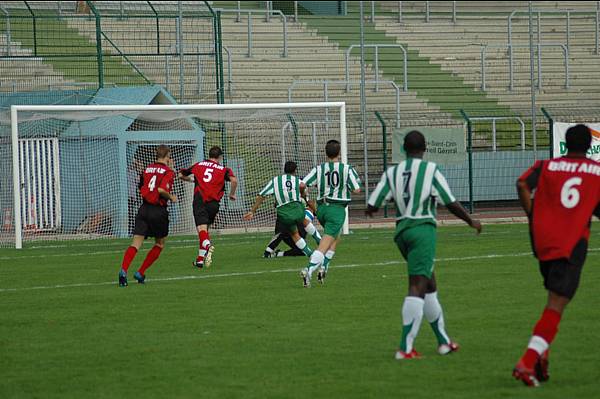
point(246, 328)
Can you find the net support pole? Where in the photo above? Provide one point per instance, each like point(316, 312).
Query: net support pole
point(14, 124)
point(344, 153)
point(123, 222)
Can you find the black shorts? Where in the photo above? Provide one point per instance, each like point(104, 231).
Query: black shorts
point(151, 221)
point(561, 276)
point(204, 212)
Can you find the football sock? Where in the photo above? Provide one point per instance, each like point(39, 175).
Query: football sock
point(543, 334)
point(312, 230)
point(412, 313)
point(150, 259)
point(270, 250)
point(432, 310)
point(128, 258)
point(328, 256)
point(204, 241)
point(302, 246)
point(316, 259)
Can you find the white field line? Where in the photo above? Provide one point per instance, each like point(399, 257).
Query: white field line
point(260, 272)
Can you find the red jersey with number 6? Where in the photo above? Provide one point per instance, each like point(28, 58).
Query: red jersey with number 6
point(567, 193)
point(156, 175)
point(210, 178)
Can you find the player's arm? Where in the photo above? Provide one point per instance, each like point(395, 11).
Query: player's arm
point(380, 195)
point(441, 190)
point(353, 181)
point(597, 211)
point(525, 186)
point(230, 177)
point(186, 175)
point(164, 190)
point(259, 200)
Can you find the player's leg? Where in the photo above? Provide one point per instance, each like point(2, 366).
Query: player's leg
point(434, 314)
point(128, 257)
point(299, 242)
point(326, 261)
point(561, 279)
point(270, 251)
point(212, 208)
point(415, 245)
point(311, 229)
point(151, 257)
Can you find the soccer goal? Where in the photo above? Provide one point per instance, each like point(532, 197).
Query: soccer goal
point(71, 172)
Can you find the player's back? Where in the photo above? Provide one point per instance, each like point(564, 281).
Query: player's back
point(156, 175)
point(335, 181)
point(567, 193)
point(210, 178)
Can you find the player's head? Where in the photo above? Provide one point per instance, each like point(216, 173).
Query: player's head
point(579, 139)
point(414, 143)
point(290, 167)
point(163, 153)
point(332, 149)
point(215, 153)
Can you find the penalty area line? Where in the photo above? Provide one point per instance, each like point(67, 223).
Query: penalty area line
point(261, 272)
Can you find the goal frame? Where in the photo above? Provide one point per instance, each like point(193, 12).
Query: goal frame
point(15, 109)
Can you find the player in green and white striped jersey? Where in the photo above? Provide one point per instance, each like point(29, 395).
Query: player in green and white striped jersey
point(335, 182)
point(415, 186)
point(290, 210)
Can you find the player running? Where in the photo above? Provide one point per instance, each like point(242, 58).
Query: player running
point(290, 210)
point(567, 193)
point(335, 182)
point(209, 177)
point(416, 186)
point(152, 219)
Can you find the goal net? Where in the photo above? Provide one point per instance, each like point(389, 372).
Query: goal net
point(72, 172)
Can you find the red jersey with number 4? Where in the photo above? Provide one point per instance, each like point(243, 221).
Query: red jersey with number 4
point(210, 178)
point(567, 194)
point(156, 175)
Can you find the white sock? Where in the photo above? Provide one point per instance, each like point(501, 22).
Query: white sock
point(435, 316)
point(269, 250)
point(310, 228)
point(412, 313)
point(538, 344)
point(315, 262)
point(301, 244)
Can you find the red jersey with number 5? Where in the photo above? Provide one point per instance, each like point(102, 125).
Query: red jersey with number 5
point(567, 193)
point(210, 178)
point(156, 175)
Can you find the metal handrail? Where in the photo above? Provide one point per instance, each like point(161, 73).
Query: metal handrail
point(175, 47)
point(249, 12)
point(427, 12)
point(229, 72)
point(510, 63)
point(502, 118)
point(328, 82)
point(8, 34)
point(567, 13)
point(376, 46)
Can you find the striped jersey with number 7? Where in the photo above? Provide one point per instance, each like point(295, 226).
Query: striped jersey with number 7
point(335, 181)
point(415, 186)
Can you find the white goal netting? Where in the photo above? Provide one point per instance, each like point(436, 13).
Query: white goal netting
point(77, 168)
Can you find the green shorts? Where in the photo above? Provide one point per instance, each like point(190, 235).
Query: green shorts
point(332, 217)
point(417, 244)
point(290, 215)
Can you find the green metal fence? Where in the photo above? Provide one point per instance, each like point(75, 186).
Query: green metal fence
point(112, 44)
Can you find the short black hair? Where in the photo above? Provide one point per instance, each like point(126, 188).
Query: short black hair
point(578, 138)
point(289, 167)
point(215, 152)
point(414, 142)
point(333, 148)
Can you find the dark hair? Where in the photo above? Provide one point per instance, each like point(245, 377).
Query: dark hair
point(289, 167)
point(414, 142)
point(333, 148)
point(578, 138)
point(215, 152)
point(162, 151)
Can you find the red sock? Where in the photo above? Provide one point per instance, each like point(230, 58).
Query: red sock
point(150, 258)
point(546, 328)
point(128, 258)
point(202, 237)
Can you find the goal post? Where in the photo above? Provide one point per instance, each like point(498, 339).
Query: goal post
point(72, 165)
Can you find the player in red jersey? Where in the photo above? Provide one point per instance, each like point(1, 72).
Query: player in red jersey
point(209, 177)
point(152, 219)
point(567, 194)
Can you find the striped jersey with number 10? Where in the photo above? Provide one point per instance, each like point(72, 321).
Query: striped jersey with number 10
point(285, 188)
point(335, 181)
point(415, 186)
